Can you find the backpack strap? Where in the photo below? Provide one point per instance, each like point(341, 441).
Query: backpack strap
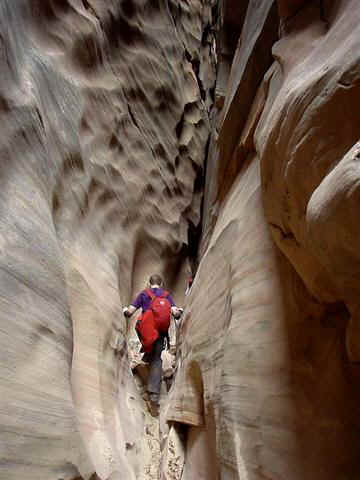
point(150, 293)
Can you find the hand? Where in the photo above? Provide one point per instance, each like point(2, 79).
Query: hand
point(177, 312)
point(126, 312)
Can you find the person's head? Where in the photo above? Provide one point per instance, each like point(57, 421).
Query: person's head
point(155, 280)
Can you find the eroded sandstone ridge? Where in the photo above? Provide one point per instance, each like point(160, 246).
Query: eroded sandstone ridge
point(268, 372)
point(105, 121)
point(108, 125)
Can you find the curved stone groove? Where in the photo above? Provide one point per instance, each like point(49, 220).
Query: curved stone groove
point(92, 203)
point(107, 112)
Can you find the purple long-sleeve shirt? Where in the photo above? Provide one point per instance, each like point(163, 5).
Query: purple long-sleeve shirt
point(143, 301)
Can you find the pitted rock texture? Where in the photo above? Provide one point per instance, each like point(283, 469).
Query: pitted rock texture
point(105, 120)
point(106, 109)
point(267, 375)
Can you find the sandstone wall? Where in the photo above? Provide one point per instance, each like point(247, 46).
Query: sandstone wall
point(105, 119)
point(106, 109)
point(267, 378)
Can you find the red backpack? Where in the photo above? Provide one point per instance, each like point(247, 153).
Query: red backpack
point(146, 330)
point(161, 309)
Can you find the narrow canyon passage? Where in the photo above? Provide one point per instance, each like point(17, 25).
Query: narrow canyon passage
point(214, 137)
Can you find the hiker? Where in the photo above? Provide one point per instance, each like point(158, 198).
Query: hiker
point(152, 327)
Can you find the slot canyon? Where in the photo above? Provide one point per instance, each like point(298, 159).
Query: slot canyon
point(217, 137)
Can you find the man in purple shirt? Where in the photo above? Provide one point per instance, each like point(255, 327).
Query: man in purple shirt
point(143, 301)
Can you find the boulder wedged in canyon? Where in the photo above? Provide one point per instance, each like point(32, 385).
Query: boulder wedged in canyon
point(105, 120)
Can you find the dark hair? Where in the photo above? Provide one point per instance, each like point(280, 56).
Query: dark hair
point(155, 280)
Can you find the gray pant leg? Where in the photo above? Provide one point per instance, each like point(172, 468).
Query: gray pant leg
point(154, 381)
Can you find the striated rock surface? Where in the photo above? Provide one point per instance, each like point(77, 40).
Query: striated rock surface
point(105, 120)
point(267, 376)
point(308, 151)
point(107, 131)
point(234, 373)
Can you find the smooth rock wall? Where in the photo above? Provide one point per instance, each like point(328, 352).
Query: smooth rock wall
point(234, 371)
point(307, 140)
point(267, 375)
point(105, 108)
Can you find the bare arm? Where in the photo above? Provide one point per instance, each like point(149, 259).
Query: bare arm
point(135, 304)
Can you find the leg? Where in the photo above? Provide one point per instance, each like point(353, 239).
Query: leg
point(154, 381)
point(146, 358)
